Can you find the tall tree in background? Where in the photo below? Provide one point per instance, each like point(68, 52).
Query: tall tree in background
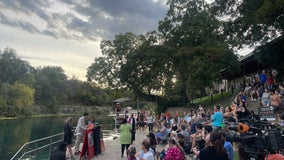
point(105, 70)
point(147, 68)
point(199, 45)
point(12, 68)
point(21, 96)
point(21, 86)
point(50, 86)
point(253, 21)
point(192, 51)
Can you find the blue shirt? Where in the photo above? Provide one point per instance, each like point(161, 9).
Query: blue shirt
point(229, 148)
point(217, 119)
point(262, 78)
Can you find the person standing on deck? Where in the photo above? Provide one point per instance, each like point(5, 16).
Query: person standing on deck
point(80, 130)
point(141, 122)
point(150, 122)
point(68, 134)
point(132, 122)
point(125, 135)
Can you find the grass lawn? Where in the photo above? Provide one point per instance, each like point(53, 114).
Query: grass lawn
point(236, 156)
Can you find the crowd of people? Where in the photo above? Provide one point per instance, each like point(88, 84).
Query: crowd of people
point(198, 132)
point(189, 133)
point(265, 89)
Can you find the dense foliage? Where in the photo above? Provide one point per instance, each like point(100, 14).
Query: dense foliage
point(184, 57)
point(194, 41)
point(22, 85)
point(253, 21)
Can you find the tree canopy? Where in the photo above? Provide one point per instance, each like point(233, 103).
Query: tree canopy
point(192, 44)
point(22, 86)
point(251, 22)
point(187, 52)
point(12, 68)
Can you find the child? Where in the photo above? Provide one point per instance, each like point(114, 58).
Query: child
point(131, 153)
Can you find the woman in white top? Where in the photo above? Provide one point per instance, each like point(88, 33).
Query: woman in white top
point(145, 154)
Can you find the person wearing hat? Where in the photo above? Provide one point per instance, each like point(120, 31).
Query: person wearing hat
point(79, 131)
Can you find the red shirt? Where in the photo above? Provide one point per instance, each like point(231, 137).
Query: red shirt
point(270, 80)
point(275, 157)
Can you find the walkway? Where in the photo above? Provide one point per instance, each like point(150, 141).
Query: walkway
point(112, 146)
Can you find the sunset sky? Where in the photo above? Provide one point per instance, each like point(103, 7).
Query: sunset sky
point(67, 33)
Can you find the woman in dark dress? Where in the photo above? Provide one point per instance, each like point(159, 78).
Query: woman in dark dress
point(68, 134)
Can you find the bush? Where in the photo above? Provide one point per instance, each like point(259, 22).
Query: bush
point(208, 100)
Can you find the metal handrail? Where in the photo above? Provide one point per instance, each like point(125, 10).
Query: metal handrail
point(38, 148)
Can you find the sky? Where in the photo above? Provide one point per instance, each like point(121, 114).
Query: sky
point(67, 33)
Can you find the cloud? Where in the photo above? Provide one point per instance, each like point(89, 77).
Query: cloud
point(82, 19)
point(67, 33)
point(21, 24)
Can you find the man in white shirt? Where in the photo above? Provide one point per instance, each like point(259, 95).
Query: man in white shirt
point(80, 130)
